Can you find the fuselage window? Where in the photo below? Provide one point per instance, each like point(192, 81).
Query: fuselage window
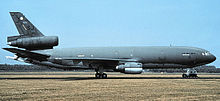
point(185, 54)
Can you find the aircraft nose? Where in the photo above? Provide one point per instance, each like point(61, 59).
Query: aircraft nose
point(212, 58)
point(208, 58)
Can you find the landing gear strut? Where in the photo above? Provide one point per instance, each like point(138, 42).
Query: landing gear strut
point(99, 73)
point(191, 73)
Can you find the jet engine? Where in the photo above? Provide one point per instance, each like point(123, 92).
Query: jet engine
point(130, 68)
point(33, 43)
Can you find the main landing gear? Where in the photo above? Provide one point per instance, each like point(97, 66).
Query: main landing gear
point(99, 73)
point(101, 76)
point(191, 73)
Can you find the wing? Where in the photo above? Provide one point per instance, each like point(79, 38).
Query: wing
point(105, 62)
point(72, 62)
point(28, 54)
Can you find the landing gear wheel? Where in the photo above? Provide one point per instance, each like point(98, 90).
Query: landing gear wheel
point(184, 76)
point(100, 76)
point(104, 76)
point(100, 73)
point(97, 75)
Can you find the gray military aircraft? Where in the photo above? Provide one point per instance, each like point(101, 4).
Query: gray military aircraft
point(35, 48)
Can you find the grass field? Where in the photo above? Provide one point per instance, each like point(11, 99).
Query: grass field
point(83, 86)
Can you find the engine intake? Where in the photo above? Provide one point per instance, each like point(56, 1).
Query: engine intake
point(130, 68)
point(34, 43)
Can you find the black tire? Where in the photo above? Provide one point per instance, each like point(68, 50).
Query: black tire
point(97, 75)
point(184, 76)
point(104, 76)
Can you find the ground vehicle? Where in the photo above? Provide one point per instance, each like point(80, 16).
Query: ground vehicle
point(191, 73)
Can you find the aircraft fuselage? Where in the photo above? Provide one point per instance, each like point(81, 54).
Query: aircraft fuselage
point(149, 56)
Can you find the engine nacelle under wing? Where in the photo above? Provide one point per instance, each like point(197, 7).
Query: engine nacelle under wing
point(130, 68)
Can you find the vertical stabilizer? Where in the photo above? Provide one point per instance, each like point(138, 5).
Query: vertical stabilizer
point(24, 26)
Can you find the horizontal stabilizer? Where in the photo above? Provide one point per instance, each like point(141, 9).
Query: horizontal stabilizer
point(28, 54)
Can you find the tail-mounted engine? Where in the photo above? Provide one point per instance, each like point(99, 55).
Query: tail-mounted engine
point(33, 43)
point(130, 68)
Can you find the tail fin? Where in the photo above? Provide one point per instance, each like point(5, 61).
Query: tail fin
point(30, 37)
point(24, 26)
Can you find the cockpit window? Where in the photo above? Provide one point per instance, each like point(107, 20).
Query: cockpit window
point(206, 53)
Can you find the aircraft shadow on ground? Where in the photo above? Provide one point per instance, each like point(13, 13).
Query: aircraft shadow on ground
point(93, 78)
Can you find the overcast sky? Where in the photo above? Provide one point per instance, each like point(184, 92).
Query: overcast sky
point(80, 23)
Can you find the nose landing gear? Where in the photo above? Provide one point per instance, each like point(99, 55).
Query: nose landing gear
point(191, 73)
